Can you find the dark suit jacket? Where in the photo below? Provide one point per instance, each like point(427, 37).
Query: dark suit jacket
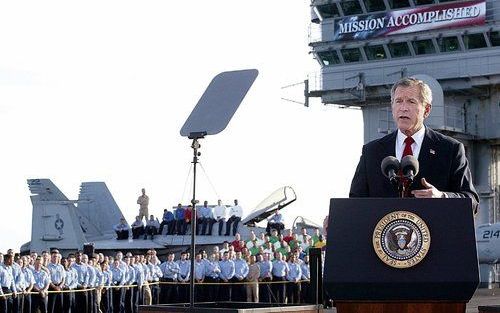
point(442, 163)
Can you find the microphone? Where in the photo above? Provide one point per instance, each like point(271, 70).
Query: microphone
point(409, 166)
point(390, 167)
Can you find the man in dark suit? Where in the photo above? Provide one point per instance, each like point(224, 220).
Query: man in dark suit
point(444, 169)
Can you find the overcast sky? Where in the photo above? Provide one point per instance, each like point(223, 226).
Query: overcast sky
point(98, 91)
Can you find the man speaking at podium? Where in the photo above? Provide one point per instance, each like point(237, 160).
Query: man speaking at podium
point(444, 170)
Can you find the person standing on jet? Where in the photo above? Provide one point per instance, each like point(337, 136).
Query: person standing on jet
point(143, 202)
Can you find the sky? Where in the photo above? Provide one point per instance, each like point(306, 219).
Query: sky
point(98, 91)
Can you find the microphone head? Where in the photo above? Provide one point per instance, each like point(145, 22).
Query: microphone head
point(409, 163)
point(389, 163)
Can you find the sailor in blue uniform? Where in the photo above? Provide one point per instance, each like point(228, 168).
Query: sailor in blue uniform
point(226, 274)
point(41, 286)
point(170, 269)
point(183, 277)
point(240, 275)
point(266, 276)
point(280, 269)
point(293, 276)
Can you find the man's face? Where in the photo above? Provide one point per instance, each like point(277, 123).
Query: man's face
point(408, 110)
point(143, 191)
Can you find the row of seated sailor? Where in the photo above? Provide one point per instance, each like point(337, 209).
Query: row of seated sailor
point(178, 221)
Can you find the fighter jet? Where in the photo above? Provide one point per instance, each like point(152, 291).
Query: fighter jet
point(68, 225)
point(488, 243)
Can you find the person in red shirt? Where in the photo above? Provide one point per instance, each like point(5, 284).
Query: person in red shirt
point(187, 216)
point(288, 237)
point(237, 243)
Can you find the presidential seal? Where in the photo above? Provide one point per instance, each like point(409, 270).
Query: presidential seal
point(401, 239)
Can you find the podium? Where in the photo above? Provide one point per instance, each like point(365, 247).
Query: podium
point(401, 255)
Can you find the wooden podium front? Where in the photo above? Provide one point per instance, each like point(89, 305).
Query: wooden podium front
point(406, 307)
point(401, 255)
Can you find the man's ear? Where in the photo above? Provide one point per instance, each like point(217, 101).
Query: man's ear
point(428, 109)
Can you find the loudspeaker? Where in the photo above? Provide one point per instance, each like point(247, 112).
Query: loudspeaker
point(316, 275)
point(88, 249)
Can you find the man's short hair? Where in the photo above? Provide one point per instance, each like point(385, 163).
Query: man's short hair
point(424, 89)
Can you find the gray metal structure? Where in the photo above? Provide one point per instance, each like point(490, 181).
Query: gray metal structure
point(463, 62)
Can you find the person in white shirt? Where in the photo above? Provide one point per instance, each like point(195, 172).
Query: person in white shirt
point(275, 222)
point(220, 215)
point(137, 228)
point(235, 214)
point(152, 226)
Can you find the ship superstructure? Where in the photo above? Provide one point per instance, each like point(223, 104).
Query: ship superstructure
point(365, 46)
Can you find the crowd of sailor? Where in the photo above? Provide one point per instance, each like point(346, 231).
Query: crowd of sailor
point(264, 268)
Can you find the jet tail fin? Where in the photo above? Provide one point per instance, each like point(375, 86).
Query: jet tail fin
point(98, 209)
point(44, 189)
point(54, 222)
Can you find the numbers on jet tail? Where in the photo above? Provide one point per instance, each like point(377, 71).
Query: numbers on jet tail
point(487, 234)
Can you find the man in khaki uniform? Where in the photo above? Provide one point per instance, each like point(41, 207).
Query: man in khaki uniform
point(143, 202)
point(253, 280)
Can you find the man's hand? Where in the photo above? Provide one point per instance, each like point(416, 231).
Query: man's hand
point(429, 192)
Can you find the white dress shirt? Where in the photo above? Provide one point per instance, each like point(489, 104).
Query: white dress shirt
point(418, 137)
point(236, 211)
point(220, 212)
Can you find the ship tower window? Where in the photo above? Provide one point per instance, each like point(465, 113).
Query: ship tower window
point(398, 4)
point(494, 38)
point(351, 55)
point(424, 46)
point(375, 52)
point(374, 5)
point(328, 10)
point(474, 41)
point(399, 49)
point(423, 2)
point(329, 57)
point(448, 44)
point(351, 7)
